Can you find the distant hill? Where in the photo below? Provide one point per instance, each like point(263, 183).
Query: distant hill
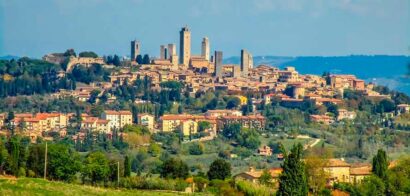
point(381, 69)
point(8, 57)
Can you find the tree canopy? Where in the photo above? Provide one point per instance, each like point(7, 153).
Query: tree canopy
point(219, 169)
point(293, 179)
point(88, 54)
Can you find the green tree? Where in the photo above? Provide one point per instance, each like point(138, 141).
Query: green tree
point(35, 161)
point(88, 54)
point(116, 60)
point(372, 186)
point(94, 96)
point(13, 146)
point(266, 178)
point(134, 111)
point(9, 119)
point(386, 105)
point(399, 177)
point(203, 125)
point(233, 102)
point(249, 138)
point(127, 166)
point(219, 169)
point(180, 109)
point(4, 155)
point(174, 168)
point(293, 180)
point(146, 59)
point(70, 52)
point(317, 177)
point(10, 116)
point(380, 164)
point(333, 108)
point(78, 118)
point(63, 163)
point(139, 59)
point(154, 149)
point(212, 104)
point(95, 168)
point(231, 131)
point(196, 148)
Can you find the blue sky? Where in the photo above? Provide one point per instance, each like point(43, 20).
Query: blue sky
point(264, 27)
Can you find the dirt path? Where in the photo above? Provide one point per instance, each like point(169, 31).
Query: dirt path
point(314, 143)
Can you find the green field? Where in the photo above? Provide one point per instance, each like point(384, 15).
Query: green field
point(35, 186)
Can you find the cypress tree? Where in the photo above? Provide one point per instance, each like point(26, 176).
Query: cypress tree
point(380, 164)
point(293, 179)
point(127, 167)
point(14, 151)
point(134, 111)
point(139, 59)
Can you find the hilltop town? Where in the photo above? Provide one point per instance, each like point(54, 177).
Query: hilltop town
point(142, 110)
point(197, 75)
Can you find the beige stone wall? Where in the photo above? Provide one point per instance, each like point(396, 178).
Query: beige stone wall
point(170, 125)
point(188, 127)
point(339, 174)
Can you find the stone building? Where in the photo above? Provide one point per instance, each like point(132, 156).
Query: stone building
point(218, 63)
point(205, 48)
point(135, 49)
point(246, 62)
point(185, 46)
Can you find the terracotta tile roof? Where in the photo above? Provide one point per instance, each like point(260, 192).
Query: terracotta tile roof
point(144, 114)
point(275, 172)
point(90, 120)
point(121, 112)
point(337, 163)
point(102, 121)
point(320, 117)
point(221, 111)
point(258, 117)
point(292, 99)
point(361, 170)
point(176, 117)
point(328, 100)
point(31, 120)
point(23, 115)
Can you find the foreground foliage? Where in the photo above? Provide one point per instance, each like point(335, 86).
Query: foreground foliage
point(33, 186)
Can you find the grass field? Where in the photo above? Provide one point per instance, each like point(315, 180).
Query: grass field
point(35, 186)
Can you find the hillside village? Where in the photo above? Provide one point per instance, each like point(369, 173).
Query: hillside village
point(196, 108)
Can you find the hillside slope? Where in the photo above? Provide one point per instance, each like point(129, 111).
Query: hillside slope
point(35, 186)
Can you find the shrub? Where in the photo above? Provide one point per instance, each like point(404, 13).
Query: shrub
point(242, 152)
point(219, 169)
point(151, 183)
point(180, 185)
point(196, 149)
point(224, 154)
point(200, 183)
point(325, 192)
point(174, 168)
point(221, 187)
point(22, 172)
point(31, 174)
point(251, 189)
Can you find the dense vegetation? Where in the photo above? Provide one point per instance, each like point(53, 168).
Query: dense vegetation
point(28, 76)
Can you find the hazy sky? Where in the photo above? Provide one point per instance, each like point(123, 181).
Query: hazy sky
point(264, 27)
